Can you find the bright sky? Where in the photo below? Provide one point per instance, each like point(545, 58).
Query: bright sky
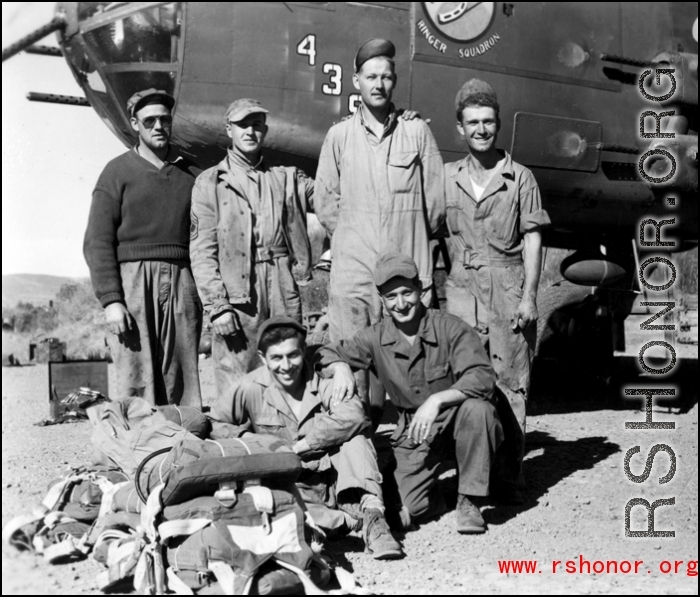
point(51, 156)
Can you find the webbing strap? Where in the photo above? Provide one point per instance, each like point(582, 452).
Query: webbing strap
point(58, 551)
point(53, 519)
point(108, 493)
point(264, 503)
point(310, 587)
point(122, 559)
point(226, 577)
point(149, 576)
point(56, 492)
point(110, 536)
point(151, 511)
point(262, 498)
point(179, 528)
point(226, 493)
point(176, 584)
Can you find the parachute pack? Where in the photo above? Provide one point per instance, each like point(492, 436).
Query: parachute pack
point(168, 512)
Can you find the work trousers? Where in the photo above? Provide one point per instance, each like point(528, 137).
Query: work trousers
point(334, 486)
point(274, 293)
point(487, 299)
point(158, 359)
point(470, 433)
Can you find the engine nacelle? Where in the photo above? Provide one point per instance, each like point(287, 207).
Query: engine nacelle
point(591, 269)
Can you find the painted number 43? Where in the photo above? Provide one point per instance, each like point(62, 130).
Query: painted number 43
point(334, 86)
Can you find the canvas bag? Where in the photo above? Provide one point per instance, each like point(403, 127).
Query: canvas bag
point(194, 468)
point(57, 527)
point(220, 549)
point(127, 431)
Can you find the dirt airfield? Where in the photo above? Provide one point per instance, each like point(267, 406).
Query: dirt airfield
point(575, 506)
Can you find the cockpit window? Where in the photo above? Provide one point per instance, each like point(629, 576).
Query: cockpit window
point(126, 83)
point(150, 35)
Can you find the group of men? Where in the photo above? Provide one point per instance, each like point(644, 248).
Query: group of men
point(163, 246)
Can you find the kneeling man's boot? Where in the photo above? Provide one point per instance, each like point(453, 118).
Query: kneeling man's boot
point(378, 538)
point(469, 518)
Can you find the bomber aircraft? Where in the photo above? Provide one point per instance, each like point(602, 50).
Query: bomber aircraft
point(567, 75)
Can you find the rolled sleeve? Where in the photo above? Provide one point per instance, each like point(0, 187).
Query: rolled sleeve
point(337, 426)
point(532, 215)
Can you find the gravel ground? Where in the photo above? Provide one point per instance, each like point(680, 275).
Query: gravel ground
point(577, 491)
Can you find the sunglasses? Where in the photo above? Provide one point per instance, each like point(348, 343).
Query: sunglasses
point(150, 121)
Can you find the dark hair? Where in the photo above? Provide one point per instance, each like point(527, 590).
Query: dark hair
point(277, 335)
point(478, 99)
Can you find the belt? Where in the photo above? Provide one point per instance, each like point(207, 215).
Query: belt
point(470, 260)
point(270, 252)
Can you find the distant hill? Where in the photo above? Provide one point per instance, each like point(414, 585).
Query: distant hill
point(30, 288)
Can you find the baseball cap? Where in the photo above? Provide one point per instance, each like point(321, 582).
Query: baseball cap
point(373, 48)
point(280, 322)
point(471, 87)
point(241, 108)
point(147, 96)
point(394, 265)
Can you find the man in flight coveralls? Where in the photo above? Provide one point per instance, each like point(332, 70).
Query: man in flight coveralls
point(494, 217)
point(379, 188)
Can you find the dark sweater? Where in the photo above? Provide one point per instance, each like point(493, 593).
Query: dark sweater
point(138, 213)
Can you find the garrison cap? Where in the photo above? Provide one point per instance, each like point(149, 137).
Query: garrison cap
point(280, 322)
point(394, 265)
point(373, 48)
point(149, 96)
point(471, 87)
point(241, 108)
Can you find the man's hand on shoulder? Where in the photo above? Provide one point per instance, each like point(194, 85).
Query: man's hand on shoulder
point(226, 324)
point(526, 314)
point(118, 318)
point(412, 115)
point(344, 384)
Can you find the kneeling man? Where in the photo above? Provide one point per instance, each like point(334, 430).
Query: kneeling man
point(341, 484)
point(437, 374)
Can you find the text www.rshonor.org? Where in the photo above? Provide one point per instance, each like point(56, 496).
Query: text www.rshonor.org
point(583, 566)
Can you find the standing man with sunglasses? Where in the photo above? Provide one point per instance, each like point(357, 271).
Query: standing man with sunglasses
point(137, 249)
